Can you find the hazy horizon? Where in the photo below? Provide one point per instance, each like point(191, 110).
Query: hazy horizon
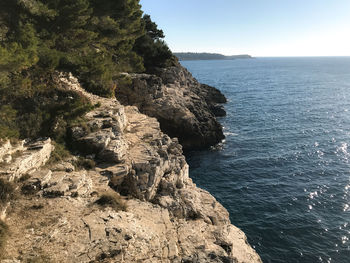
point(267, 28)
point(316, 56)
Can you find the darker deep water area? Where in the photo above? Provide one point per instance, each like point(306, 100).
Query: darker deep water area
point(283, 171)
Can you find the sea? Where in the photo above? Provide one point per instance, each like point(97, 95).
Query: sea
point(283, 171)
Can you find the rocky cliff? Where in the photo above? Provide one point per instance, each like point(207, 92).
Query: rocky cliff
point(184, 108)
point(137, 205)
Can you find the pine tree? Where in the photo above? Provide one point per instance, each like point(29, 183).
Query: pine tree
point(96, 40)
point(152, 47)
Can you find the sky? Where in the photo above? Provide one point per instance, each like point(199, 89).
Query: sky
point(254, 27)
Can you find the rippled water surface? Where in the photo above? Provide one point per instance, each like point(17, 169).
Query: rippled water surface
point(283, 172)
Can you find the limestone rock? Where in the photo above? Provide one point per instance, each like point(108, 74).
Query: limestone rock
point(210, 94)
point(152, 155)
point(167, 218)
point(69, 230)
point(30, 157)
point(102, 136)
point(58, 184)
point(4, 149)
point(7, 149)
point(185, 108)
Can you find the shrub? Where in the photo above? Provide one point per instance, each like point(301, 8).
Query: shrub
point(124, 81)
point(83, 163)
point(151, 46)
point(6, 191)
point(59, 154)
point(48, 58)
point(112, 200)
point(31, 110)
point(40, 258)
point(8, 127)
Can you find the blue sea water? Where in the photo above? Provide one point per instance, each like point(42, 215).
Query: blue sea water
point(283, 171)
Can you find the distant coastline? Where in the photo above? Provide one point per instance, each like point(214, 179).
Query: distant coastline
point(207, 56)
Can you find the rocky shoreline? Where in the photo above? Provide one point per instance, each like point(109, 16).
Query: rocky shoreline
point(155, 212)
point(184, 108)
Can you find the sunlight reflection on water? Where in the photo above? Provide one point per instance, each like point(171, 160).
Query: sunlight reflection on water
point(283, 172)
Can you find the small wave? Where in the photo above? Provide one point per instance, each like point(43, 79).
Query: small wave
point(230, 134)
point(219, 146)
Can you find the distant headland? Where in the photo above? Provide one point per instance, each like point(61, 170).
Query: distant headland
point(207, 56)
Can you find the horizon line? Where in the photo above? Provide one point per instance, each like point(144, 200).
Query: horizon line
point(301, 56)
point(262, 56)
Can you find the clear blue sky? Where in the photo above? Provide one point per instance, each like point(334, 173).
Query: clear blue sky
point(255, 27)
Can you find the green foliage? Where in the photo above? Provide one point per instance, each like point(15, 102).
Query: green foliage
point(48, 58)
point(21, 53)
point(31, 109)
point(59, 154)
point(97, 73)
point(95, 40)
point(151, 28)
point(152, 48)
point(124, 81)
point(8, 128)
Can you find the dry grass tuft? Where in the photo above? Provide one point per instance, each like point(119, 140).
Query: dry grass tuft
point(113, 200)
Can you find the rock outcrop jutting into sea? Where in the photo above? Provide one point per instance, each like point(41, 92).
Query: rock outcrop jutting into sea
point(161, 216)
point(185, 108)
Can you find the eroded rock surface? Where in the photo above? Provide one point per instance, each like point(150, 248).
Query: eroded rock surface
point(185, 108)
point(24, 157)
point(73, 230)
point(167, 218)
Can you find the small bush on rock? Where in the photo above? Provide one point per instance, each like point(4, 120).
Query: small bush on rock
point(6, 191)
point(112, 200)
point(59, 154)
point(83, 163)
